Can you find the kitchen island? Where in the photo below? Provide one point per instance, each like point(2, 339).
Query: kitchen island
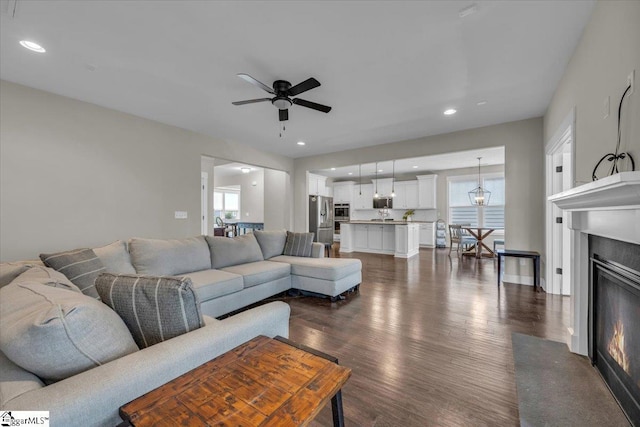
point(398, 238)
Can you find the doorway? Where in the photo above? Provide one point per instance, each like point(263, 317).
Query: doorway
point(560, 176)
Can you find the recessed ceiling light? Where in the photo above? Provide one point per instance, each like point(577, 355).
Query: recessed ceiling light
point(450, 111)
point(301, 143)
point(32, 46)
point(379, 170)
point(482, 102)
point(350, 173)
point(245, 170)
point(415, 167)
point(333, 169)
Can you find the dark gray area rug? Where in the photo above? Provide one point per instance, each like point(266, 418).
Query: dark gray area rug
point(559, 388)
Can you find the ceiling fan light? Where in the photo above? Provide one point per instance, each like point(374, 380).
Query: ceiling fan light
point(281, 103)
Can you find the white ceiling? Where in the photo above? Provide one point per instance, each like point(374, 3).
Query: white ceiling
point(388, 68)
point(233, 169)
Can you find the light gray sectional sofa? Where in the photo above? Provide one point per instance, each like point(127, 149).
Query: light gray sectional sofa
point(226, 274)
point(229, 274)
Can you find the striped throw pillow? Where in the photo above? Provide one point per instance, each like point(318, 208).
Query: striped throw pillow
point(298, 244)
point(154, 308)
point(81, 266)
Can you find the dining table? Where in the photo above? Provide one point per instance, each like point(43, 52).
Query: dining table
point(480, 250)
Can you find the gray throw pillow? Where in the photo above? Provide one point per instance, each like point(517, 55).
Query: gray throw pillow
point(154, 309)
point(169, 257)
point(226, 252)
point(271, 242)
point(116, 258)
point(298, 244)
point(81, 266)
point(56, 333)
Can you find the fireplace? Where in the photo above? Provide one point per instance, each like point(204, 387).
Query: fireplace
point(614, 319)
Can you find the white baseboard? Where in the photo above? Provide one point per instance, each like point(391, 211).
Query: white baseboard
point(517, 279)
point(522, 280)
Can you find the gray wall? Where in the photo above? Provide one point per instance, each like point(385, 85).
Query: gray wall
point(73, 174)
point(277, 195)
point(608, 50)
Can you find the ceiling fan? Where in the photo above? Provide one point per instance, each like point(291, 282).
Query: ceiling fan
point(283, 92)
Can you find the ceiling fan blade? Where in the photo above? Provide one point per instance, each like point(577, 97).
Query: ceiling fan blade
point(253, 81)
point(306, 85)
point(313, 105)
point(251, 101)
point(284, 115)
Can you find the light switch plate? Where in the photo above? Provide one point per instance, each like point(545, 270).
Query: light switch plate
point(181, 215)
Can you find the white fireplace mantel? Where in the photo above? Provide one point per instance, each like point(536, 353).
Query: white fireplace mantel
point(619, 191)
point(609, 207)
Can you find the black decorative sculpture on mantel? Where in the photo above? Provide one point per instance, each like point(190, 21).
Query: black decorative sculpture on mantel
point(617, 156)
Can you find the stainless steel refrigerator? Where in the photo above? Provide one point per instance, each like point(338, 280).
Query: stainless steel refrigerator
point(321, 218)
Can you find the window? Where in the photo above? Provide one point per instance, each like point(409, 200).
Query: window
point(462, 212)
point(226, 203)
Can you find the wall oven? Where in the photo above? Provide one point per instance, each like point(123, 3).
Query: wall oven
point(341, 214)
point(341, 210)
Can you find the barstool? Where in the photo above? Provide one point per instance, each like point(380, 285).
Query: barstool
point(327, 249)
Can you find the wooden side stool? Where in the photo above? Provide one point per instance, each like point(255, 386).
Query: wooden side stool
point(535, 256)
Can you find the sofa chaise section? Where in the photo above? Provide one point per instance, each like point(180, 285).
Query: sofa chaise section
point(326, 276)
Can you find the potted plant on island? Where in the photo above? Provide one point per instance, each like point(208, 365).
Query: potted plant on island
point(407, 215)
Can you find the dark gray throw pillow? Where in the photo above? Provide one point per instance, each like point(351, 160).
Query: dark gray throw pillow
point(298, 244)
point(81, 266)
point(154, 309)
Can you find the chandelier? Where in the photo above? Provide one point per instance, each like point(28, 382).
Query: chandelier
point(479, 196)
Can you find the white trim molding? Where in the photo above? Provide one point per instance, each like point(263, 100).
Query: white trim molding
point(609, 207)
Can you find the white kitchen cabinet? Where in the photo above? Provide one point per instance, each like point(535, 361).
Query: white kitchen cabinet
point(427, 191)
point(406, 195)
point(318, 185)
point(380, 238)
point(427, 235)
point(361, 236)
point(364, 200)
point(343, 192)
point(407, 240)
point(375, 237)
point(389, 238)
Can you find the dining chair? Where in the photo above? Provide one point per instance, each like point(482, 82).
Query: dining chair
point(228, 230)
point(459, 237)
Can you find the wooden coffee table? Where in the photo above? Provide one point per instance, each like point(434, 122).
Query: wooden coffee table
point(263, 382)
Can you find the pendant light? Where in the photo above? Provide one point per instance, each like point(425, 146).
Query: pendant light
point(376, 195)
point(393, 180)
point(479, 196)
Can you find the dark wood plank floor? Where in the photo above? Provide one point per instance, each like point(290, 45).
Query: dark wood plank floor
point(428, 340)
